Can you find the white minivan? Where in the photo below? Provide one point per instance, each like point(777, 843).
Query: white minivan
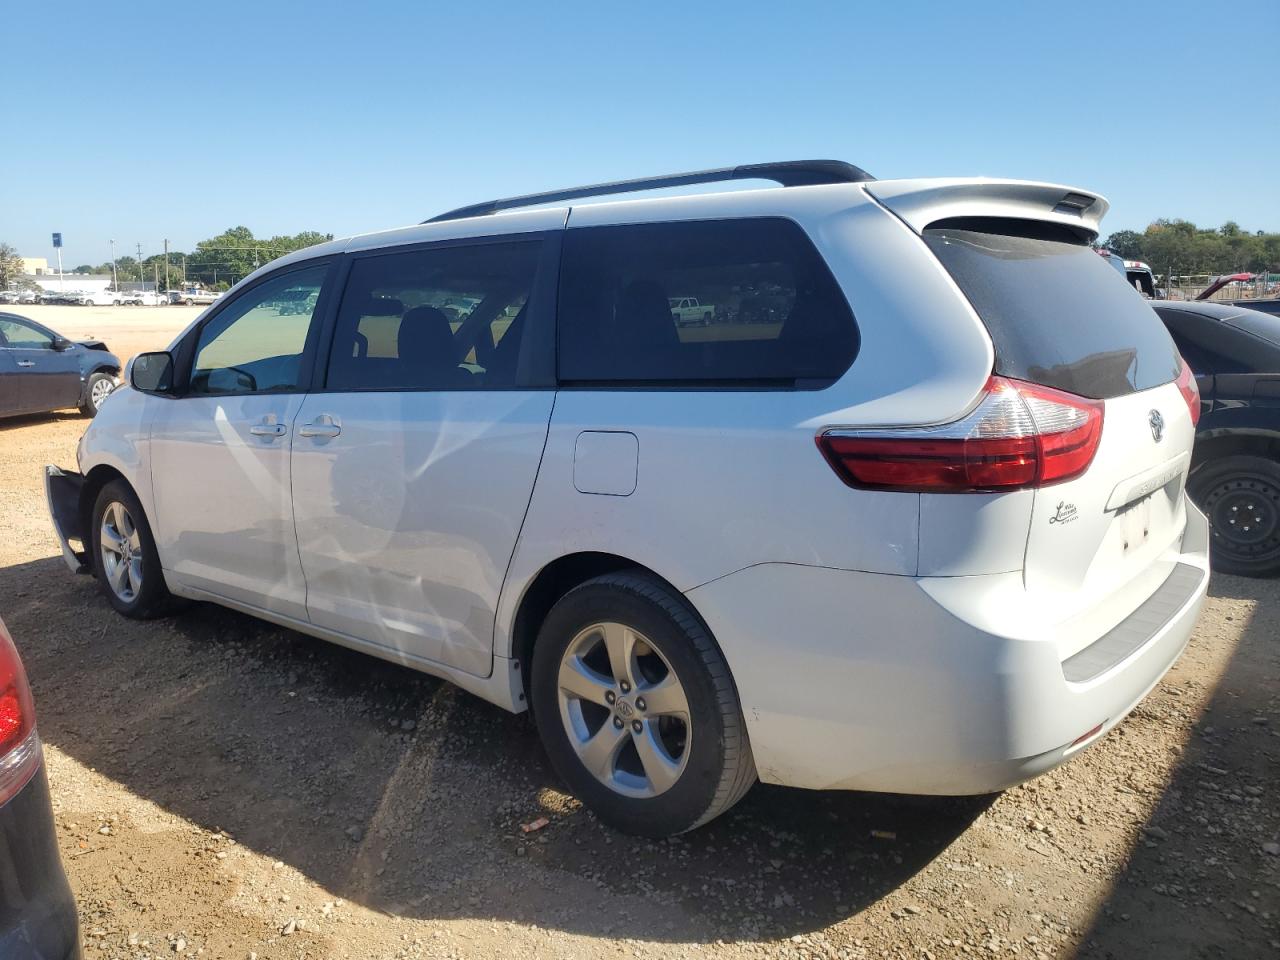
point(906, 514)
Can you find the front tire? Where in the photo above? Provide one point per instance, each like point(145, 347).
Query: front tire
point(96, 390)
point(636, 707)
point(124, 554)
point(1241, 497)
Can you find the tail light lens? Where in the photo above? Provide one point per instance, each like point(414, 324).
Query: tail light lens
point(19, 746)
point(1190, 391)
point(1019, 435)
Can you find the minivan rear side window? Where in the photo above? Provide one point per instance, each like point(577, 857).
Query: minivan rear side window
point(1058, 313)
point(450, 317)
point(746, 303)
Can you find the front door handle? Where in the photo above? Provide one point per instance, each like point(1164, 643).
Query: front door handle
point(323, 427)
point(26, 363)
point(268, 429)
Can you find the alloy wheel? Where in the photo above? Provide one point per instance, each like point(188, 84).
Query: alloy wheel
point(121, 551)
point(100, 391)
point(624, 710)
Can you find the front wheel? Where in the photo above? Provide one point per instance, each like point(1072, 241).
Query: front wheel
point(96, 391)
point(636, 707)
point(1241, 497)
point(124, 554)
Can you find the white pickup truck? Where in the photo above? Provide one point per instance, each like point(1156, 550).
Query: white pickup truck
point(193, 295)
point(687, 311)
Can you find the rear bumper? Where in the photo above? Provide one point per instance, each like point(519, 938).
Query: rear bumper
point(868, 682)
point(37, 912)
point(62, 493)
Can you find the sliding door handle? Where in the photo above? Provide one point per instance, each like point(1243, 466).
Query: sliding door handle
point(323, 427)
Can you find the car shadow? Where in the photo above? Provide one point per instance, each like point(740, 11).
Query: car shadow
point(35, 419)
point(398, 791)
point(1197, 880)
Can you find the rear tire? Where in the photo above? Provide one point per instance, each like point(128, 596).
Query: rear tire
point(666, 765)
point(127, 567)
point(1241, 497)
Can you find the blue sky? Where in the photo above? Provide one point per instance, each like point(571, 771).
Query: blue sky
point(178, 120)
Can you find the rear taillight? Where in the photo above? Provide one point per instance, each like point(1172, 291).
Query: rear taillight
point(1019, 435)
point(1190, 391)
point(19, 746)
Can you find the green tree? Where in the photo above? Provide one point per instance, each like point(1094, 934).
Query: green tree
point(235, 253)
point(10, 267)
point(1126, 243)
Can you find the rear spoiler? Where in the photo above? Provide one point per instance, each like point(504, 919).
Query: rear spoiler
point(919, 203)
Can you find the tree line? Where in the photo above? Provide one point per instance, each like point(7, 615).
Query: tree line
point(216, 263)
point(1180, 248)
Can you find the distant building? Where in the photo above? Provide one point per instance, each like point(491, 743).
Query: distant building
point(70, 281)
point(36, 266)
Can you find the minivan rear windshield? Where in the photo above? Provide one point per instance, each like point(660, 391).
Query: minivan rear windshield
point(1058, 313)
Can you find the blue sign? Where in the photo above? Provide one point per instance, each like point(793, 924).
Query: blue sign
point(57, 240)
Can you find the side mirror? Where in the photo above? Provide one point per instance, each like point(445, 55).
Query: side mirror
point(152, 372)
point(60, 344)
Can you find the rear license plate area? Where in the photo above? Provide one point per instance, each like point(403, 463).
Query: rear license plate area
point(1135, 523)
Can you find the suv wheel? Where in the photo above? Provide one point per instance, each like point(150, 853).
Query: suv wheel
point(124, 554)
point(1241, 497)
point(636, 707)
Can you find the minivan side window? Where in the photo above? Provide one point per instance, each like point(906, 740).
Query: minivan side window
point(435, 318)
point(731, 303)
point(256, 344)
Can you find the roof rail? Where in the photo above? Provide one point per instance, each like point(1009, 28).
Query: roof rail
point(788, 173)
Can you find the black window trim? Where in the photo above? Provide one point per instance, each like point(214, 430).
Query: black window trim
point(720, 385)
point(184, 354)
point(538, 341)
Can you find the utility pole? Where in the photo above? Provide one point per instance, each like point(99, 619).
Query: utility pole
point(115, 279)
point(142, 277)
point(166, 264)
point(184, 269)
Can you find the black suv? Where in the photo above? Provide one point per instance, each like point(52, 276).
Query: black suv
point(1235, 476)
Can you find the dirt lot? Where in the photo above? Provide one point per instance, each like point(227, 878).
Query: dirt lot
point(225, 788)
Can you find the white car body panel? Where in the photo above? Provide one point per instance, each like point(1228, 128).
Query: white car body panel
point(223, 507)
point(406, 521)
point(119, 438)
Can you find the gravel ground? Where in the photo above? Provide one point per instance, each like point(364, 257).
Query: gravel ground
point(224, 788)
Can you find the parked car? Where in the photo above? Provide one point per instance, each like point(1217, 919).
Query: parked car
point(145, 298)
point(98, 298)
point(42, 371)
point(37, 912)
point(1137, 273)
point(687, 310)
point(193, 295)
point(1235, 478)
point(1265, 304)
point(926, 533)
